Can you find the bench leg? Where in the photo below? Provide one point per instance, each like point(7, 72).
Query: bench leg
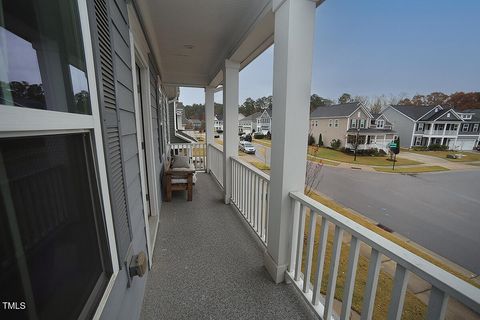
point(190, 187)
point(168, 190)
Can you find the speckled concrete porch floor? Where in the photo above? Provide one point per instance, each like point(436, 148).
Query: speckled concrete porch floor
point(207, 265)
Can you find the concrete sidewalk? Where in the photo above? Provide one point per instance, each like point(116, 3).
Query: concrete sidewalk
point(435, 161)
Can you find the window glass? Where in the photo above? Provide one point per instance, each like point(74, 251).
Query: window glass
point(42, 57)
point(53, 244)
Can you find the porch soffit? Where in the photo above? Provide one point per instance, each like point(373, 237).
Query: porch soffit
point(190, 40)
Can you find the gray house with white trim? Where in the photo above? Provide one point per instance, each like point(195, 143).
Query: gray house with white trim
point(422, 126)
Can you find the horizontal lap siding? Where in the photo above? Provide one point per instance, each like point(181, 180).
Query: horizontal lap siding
point(124, 302)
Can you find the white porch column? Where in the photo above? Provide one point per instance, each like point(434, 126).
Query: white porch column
point(209, 120)
point(292, 75)
point(231, 72)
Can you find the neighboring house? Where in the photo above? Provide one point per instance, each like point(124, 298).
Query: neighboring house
point(249, 123)
point(264, 122)
point(423, 126)
point(177, 123)
point(218, 122)
point(196, 124)
point(344, 121)
point(240, 116)
point(469, 131)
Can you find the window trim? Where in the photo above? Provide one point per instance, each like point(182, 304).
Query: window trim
point(465, 127)
point(353, 123)
point(335, 123)
point(475, 127)
point(151, 225)
point(382, 122)
point(362, 123)
point(330, 123)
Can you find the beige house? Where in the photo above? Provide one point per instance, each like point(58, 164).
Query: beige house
point(345, 121)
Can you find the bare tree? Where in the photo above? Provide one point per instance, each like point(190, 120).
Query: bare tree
point(313, 176)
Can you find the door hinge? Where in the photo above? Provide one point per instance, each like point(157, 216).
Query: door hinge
point(148, 197)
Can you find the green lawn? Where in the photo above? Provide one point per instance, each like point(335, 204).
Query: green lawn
point(322, 161)
point(468, 156)
point(335, 155)
point(265, 142)
point(260, 165)
point(411, 169)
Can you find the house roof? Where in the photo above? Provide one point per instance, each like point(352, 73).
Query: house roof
point(413, 112)
point(252, 117)
point(442, 115)
point(219, 117)
point(337, 110)
point(475, 115)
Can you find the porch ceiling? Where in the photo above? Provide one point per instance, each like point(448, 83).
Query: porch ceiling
point(191, 41)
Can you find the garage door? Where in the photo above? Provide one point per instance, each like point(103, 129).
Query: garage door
point(466, 144)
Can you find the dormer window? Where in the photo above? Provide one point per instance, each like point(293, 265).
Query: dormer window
point(448, 115)
point(380, 124)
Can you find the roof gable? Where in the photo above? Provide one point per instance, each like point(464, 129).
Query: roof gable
point(337, 111)
point(412, 112)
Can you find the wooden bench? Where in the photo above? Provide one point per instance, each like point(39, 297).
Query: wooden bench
point(177, 179)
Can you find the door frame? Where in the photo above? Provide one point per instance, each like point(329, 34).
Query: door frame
point(145, 112)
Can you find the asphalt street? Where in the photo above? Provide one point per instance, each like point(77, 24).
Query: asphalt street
point(439, 211)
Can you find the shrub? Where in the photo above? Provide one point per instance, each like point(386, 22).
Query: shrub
point(320, 140)
point(420, 148)
point(437, 147)
point(257, 135)
point(219, 131)
point(311, 140)
point(248, 138)
point(268, 135)
point(382, 152)
point(335, 144)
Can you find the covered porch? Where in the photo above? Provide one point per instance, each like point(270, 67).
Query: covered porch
point(208, 265)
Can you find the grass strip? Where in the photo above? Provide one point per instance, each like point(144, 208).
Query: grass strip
point(411, 169)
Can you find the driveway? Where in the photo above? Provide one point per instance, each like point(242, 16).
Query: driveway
point(434, 161)
point(439, 211)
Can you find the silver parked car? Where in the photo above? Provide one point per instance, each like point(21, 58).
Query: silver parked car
point(247, 147)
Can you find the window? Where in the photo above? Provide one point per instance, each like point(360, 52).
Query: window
point(330, 122)
point(475, 127)
point(380, 124)
point(420, 127)
point(418, 141)
point(336, 123)
point(54, 238)
point(354, 123)
point(465, 127)
point(46, 65)
point(50, 216)
point(362, 123)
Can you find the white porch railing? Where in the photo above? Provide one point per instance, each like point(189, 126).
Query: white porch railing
point(250, 193)
point(444, 284)
point(215, 162)
point(196, 151)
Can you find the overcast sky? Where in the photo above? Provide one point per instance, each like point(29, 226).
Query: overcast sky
point(375, 47)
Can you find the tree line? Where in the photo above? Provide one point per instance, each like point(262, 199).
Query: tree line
point(458, 100)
